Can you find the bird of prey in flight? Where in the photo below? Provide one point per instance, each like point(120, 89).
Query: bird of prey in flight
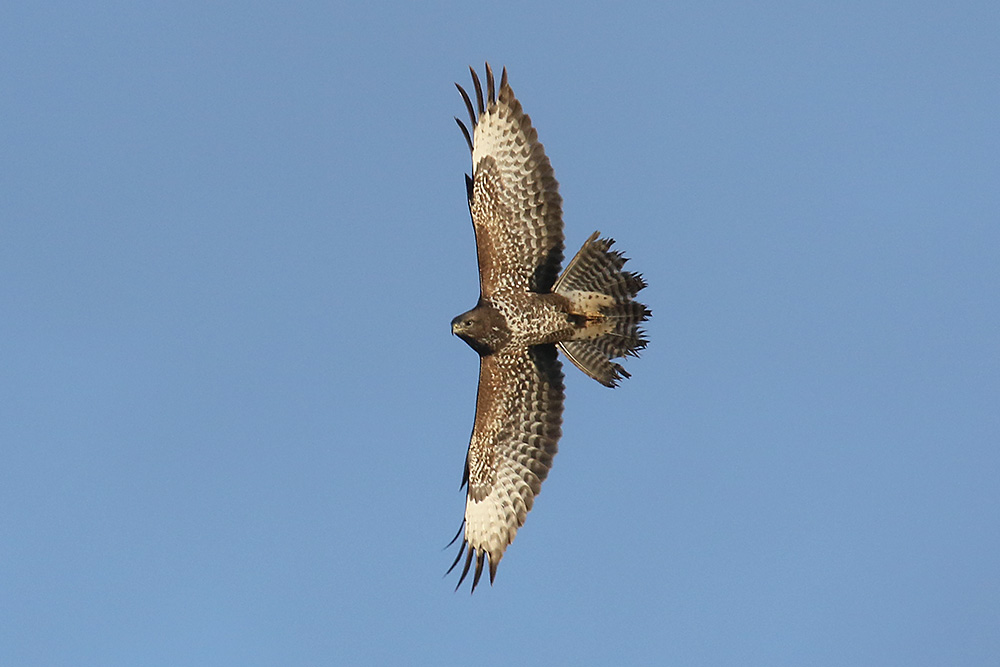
point(527, 310)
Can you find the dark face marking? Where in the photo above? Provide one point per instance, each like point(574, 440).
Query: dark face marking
point(483, 328)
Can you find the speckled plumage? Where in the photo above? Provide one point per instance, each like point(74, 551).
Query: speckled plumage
point(526, 310)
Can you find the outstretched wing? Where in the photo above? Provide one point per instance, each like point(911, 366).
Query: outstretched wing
point(513, 194)
point(518, 420)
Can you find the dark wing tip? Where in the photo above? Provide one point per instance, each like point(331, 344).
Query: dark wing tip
point(468, 104)
point(465, 569)
point(491, 98)
point(479, 570)
point(471, 553)
point(491, 95)
point(479, 92)
point(493, 570)
point(460, 528)
point(457, 558)
point(465, 132)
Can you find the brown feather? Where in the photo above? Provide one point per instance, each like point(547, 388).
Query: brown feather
point(468, 106)
point(491, 95)
point(479, 93)
point(465, 132)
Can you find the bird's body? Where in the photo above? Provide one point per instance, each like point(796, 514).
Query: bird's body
point(516, 319)
point(527, 310)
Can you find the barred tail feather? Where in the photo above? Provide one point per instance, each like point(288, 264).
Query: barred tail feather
point(602, 295)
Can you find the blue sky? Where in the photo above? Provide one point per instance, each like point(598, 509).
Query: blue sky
point(233, 418)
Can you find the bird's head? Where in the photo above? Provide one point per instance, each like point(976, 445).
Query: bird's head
point(476, 327)
point(464, 323)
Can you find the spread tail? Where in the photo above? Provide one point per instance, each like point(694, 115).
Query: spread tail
point(601, 297)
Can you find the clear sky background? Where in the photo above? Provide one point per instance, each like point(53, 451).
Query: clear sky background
point(233, 418)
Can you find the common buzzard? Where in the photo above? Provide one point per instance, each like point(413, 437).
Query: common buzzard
point(527, 310)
